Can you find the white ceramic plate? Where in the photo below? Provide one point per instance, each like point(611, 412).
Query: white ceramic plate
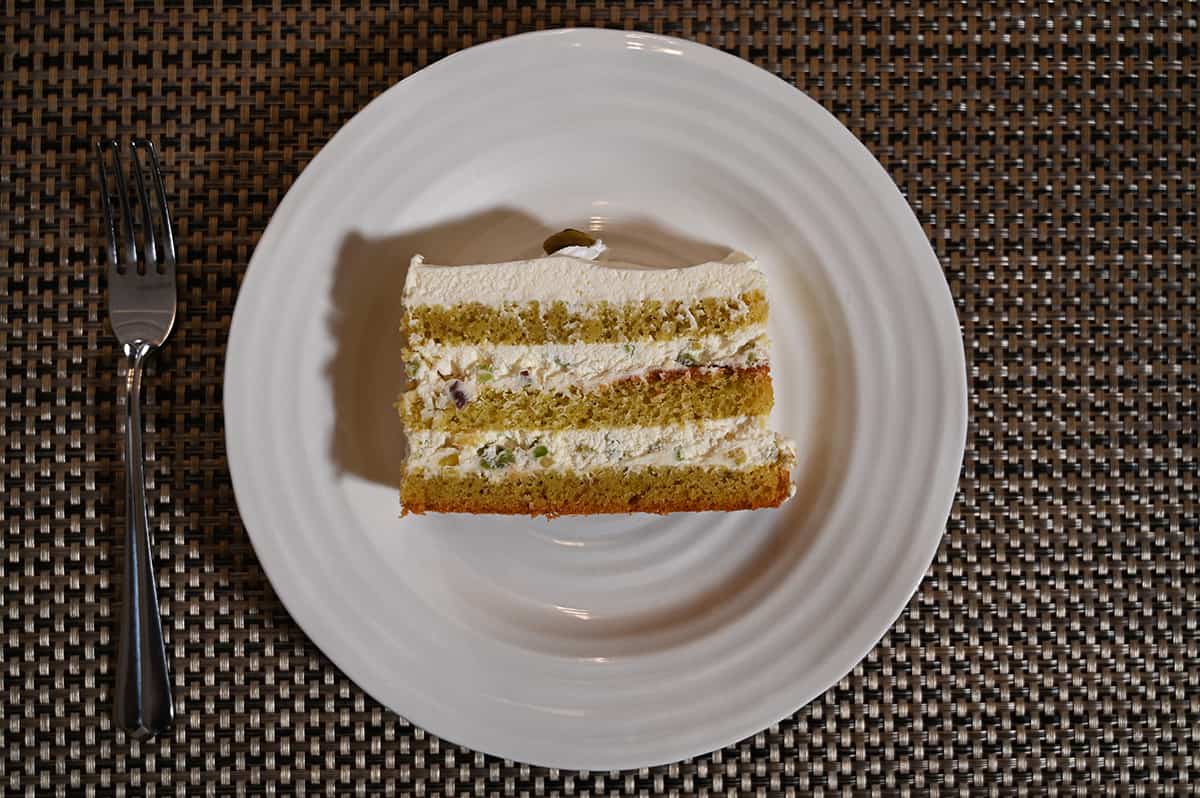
point(609, 642)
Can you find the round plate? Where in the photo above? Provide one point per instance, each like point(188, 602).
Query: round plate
point(604, 642)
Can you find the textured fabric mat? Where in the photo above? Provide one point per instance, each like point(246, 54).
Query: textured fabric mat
point(1050, 152)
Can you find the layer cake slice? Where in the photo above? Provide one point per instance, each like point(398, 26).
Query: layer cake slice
point(563, 385)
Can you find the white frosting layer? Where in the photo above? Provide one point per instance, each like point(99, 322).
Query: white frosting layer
point(574, 280)
point(510, 367)
point(739, 443)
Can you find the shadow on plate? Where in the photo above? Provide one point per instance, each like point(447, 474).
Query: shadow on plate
point(366, 374)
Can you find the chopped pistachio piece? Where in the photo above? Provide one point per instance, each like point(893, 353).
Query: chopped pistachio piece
point(494, 455)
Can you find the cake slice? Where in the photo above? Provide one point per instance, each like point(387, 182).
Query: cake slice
point(563, 385)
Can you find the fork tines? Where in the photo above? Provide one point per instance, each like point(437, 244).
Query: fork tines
point(141, 242)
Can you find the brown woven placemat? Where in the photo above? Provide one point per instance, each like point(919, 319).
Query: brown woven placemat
point(1050, 152)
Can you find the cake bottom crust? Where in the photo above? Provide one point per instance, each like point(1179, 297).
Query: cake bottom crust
point(656, 489)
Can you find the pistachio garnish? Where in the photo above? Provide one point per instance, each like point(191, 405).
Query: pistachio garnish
point(567, 238)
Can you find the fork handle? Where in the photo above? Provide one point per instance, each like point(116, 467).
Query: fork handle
point(144, 706)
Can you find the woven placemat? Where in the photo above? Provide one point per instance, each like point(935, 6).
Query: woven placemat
point(1050, 152)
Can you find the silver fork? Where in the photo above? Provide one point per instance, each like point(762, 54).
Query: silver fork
point(141, 307)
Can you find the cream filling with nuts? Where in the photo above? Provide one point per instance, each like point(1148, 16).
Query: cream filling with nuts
point(741, 442)
point(462, 371)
